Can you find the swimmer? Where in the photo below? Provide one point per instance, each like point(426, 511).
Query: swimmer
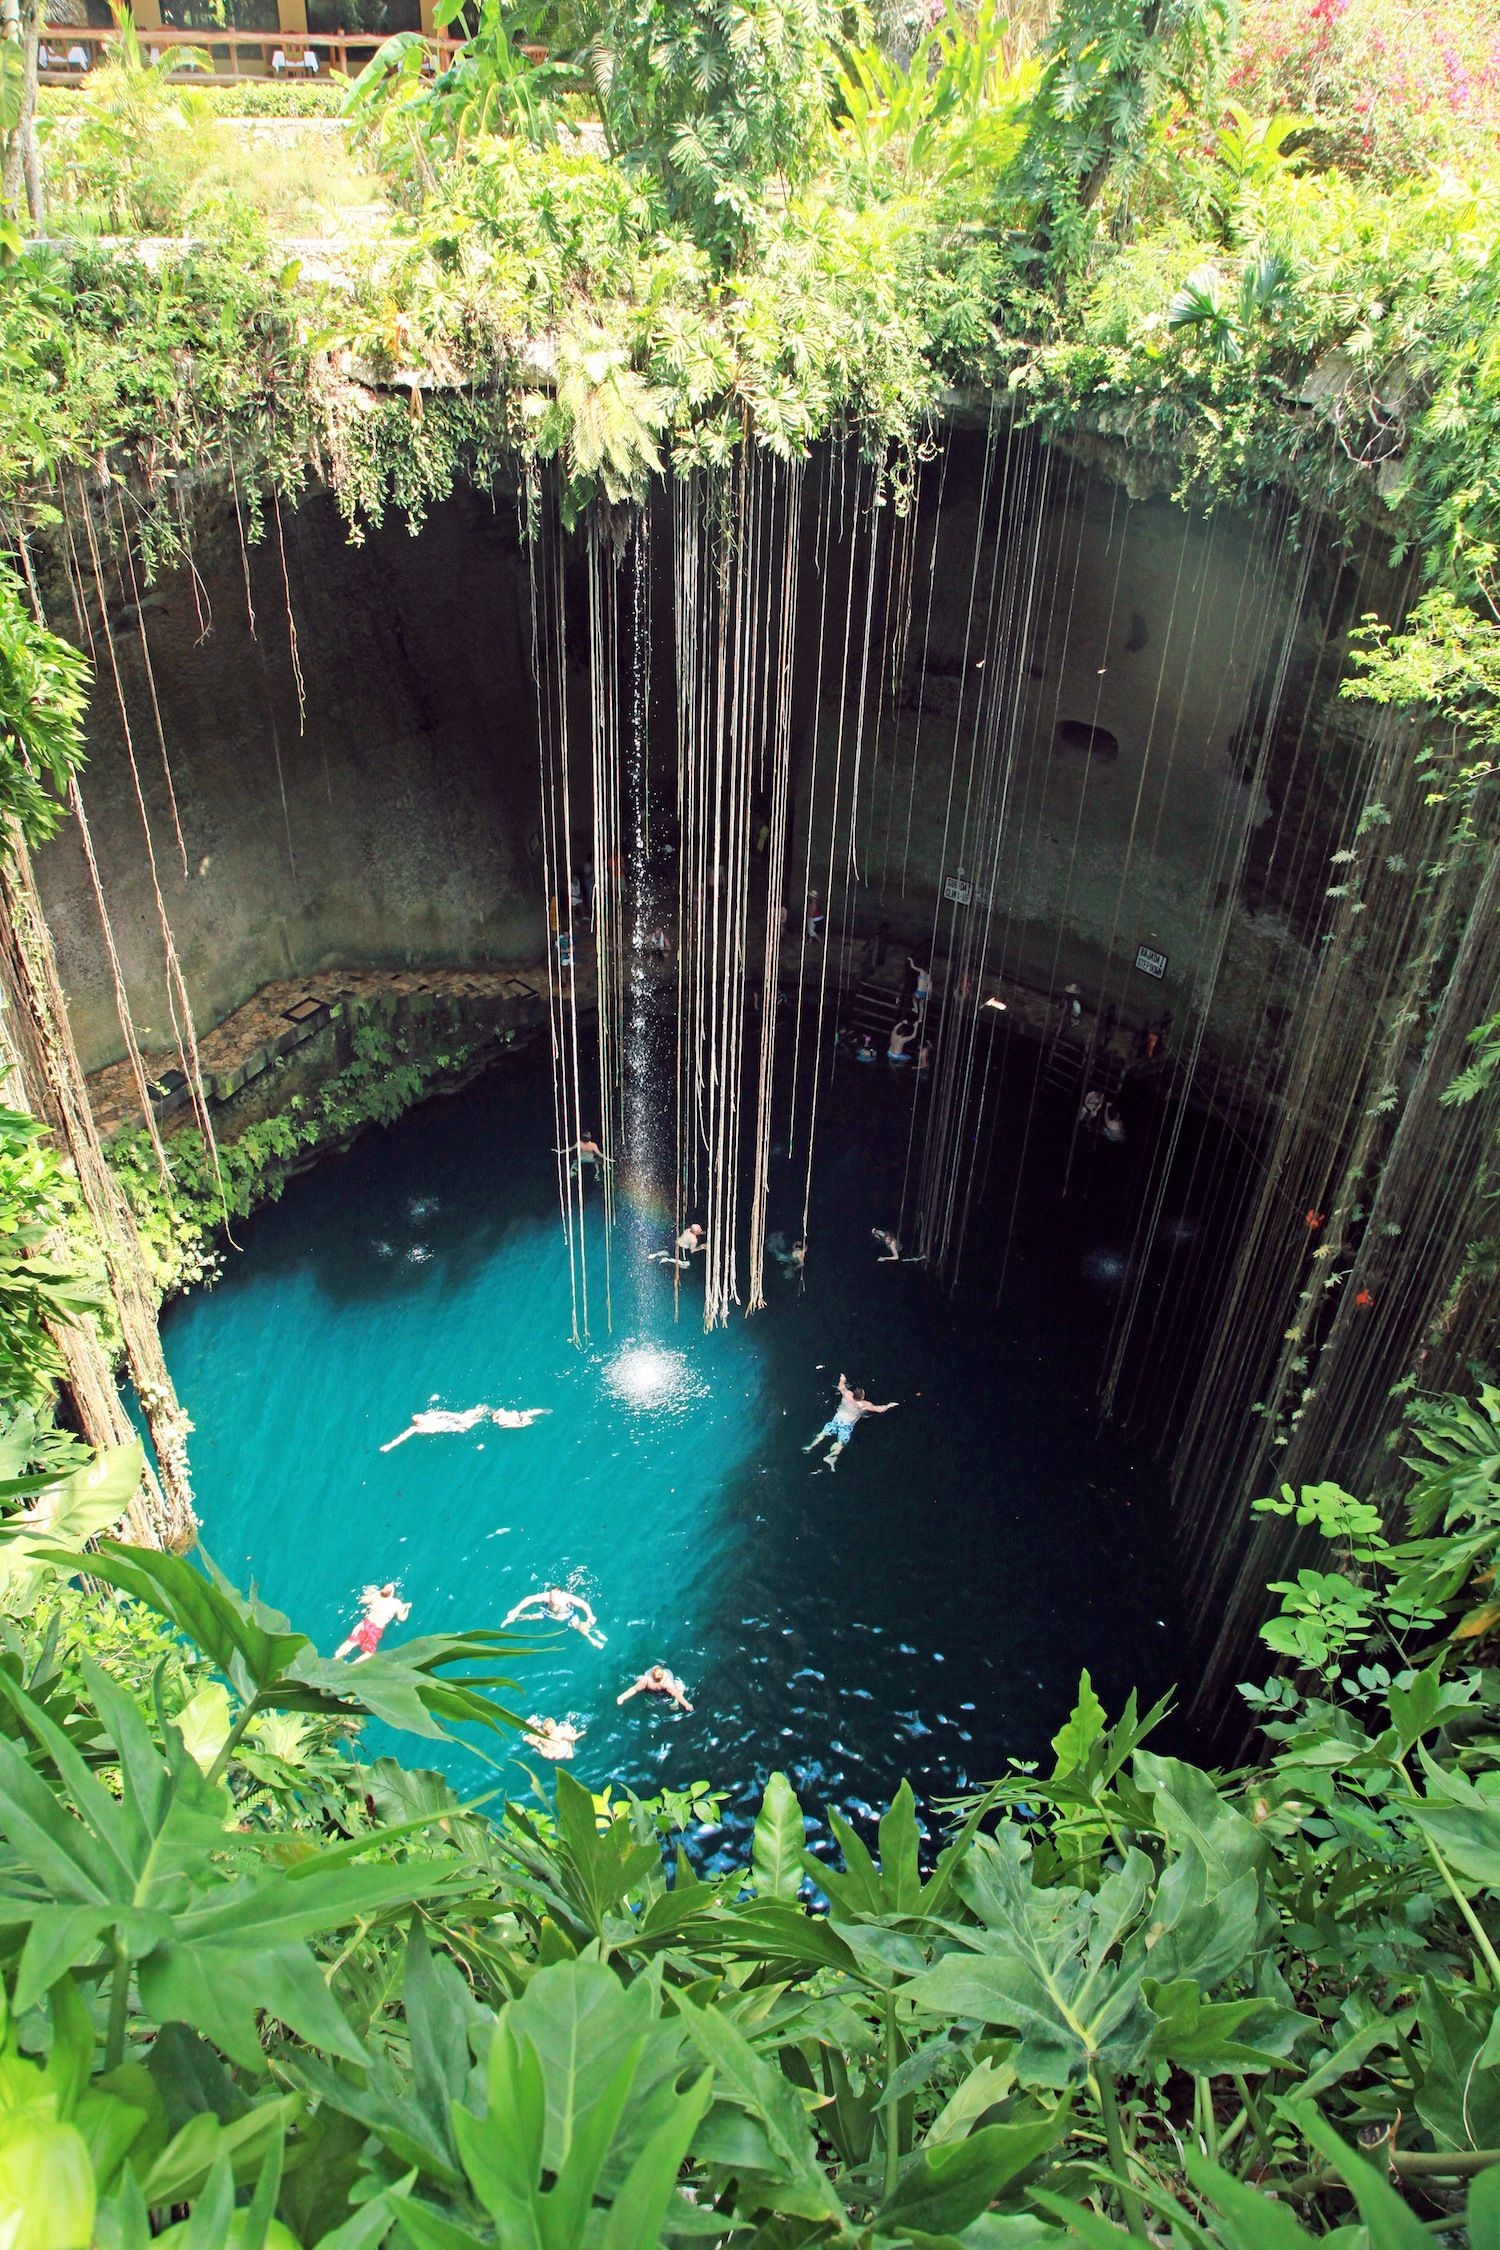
point(924, 1058)
point(657, 1680)
point(813, 921)
point(891, 1243)
point(922, 988)
point(562, 1608)
point(381, 1607)
point(585, 1150)
point(1114, 1123)
point(552, 1738)
point(902, 1035)
point(791, 1258)
point(851, 1407)
point(438, 1421)
point(691, 1240)
point(1092, 1112)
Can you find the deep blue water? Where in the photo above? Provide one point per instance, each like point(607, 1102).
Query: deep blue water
point(924, 1612)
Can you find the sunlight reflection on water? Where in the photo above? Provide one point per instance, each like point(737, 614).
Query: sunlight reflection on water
point(648, 1378)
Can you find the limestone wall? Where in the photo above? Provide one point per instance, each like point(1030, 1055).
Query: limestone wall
point(1124, 656)
point(391, 828)
point(1132, 649)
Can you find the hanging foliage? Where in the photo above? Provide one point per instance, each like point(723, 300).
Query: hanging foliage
point(43, 696)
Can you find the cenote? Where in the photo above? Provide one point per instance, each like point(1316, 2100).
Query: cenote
point(924, 1612)
point(750, 695)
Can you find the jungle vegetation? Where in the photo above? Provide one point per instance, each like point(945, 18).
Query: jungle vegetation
point(261, 1989)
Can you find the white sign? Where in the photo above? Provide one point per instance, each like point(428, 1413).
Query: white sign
point(1153, 964)
point(963, 892)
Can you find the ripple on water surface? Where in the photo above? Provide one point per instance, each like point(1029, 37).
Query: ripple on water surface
point(924, 1611)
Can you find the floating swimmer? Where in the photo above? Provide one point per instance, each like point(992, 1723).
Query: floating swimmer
point(552, 1738)
point(440, 1421)
point(790, 1256)
point(657, 1680)
point(691, 1240)
point(852, 1406)
point(381, 1607)
point(563, 1608)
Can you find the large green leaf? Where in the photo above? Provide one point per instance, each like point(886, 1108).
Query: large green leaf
point(779, 1849)
point(217, 1940)
point(781, 2139)
point(1462, 1818)
point(66, 1514)
point(1044, 1964)
point(1458, 2088)
point(271, 1667)
point(249, 1643)
point(1064, 1967)
point(943, 2188)
point(596, 1869)
point(581, 2022)
point(1208, 2037)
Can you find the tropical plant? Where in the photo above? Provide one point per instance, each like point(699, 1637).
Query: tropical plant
point(128, 157)
point(249, 1974)
point(43, 695)
point(36, 1291)
point(719, 106)
point(1109, 71)
point(1388, 86)
point(61, 1512)
point(957, 106)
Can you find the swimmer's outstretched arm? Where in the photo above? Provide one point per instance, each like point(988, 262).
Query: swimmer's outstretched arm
point(392, 1443)
point(681, 1701)
point(637, 1689)
point(532, 1601)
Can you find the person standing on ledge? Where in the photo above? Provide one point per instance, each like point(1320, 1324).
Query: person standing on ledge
point(852, 1406)
point(657, 1680)
point(562, 1608)
point(381, 1608)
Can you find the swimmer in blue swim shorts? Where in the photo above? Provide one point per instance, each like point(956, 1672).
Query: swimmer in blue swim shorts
point(852, 1405)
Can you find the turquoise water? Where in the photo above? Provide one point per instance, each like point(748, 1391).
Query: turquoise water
point(923, 1612)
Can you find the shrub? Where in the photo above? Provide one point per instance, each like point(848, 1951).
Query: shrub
point(1389, 84)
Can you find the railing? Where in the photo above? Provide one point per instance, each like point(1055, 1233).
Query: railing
point(299, 58)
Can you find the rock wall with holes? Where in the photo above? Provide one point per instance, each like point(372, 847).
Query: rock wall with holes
point(1108, 727)
point(389, 821)
point(1111, 732)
